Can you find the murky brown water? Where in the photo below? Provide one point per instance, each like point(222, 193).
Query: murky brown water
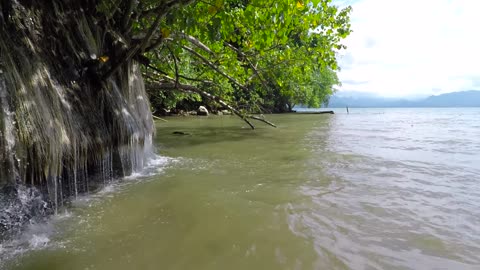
point(376, 189)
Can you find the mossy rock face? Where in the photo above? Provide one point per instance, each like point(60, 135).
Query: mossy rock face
point(71, 130)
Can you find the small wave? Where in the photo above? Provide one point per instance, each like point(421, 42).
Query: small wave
point(107, 189)
point(38, 241)
point(37, 236)
point(154, 166)
point(40, 234)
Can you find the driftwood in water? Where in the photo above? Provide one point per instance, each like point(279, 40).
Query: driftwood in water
point(158, 118)
point(319, 112)
point(192, 89)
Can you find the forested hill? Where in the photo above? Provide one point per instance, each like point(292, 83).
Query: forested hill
point(456, 99)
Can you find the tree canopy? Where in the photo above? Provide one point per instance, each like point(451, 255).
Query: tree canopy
point(247, 55)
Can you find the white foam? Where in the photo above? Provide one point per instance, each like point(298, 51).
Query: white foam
point(38, 236)
point(107, 189)
point(159, 160)
point(38, 241)
point(35, 237)
point(65, 214)
point(154, 166)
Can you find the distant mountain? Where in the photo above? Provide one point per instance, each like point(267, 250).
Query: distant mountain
point(456, 99)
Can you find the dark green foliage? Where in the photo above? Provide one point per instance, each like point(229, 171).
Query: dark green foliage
point(256, 55)
point(72, 94)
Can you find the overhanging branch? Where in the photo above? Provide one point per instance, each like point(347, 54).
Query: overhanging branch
point(160, 12)
point(194, 41)
point(191, 88)
point(214, 67)
point(255, 70)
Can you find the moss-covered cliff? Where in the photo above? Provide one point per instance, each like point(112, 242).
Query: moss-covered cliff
point(64, 129)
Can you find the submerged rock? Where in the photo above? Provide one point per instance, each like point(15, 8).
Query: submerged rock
point(180, 133)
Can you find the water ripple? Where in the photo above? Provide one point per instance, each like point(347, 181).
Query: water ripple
point(410, 196)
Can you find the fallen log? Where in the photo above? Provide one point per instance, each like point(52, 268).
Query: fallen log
point(318, 112)
point(158, 118)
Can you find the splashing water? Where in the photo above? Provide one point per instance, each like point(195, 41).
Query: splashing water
point(20, 206)
point(31, 209)
point(63, 131)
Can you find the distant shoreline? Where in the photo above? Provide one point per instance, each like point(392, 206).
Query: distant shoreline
point(463, 99)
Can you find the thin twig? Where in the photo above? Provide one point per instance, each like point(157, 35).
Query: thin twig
point(158, 118)
point(175, 63)
point(214, 67)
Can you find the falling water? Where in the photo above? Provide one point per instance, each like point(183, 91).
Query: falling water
point(6, 132)
point(63, 133)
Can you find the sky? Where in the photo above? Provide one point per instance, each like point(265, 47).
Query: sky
point(411, 48)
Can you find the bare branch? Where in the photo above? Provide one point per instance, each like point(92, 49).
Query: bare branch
point(179, 75)
point(262, 120)
point(158, 70)
point(155, 44)
point(167, 6)
point(128, 56)
point(129, 6)
point(190, 88)
point(140, 48)
point(175, 63)
point(194, 41)
point(262, 80)
point(134, 50)
point(116, 8)
point(214, 67)
point(150, 32)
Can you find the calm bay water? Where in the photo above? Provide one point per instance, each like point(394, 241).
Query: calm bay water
point(375, 189)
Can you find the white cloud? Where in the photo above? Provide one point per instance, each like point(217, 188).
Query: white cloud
point(411, 47)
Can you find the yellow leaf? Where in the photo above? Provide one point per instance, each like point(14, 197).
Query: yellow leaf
point(165, 32)
point(104, 59)
point(300, 5)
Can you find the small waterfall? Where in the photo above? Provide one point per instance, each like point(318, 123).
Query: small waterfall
point(6, 133)
point(20, 206)
point(63, 132)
